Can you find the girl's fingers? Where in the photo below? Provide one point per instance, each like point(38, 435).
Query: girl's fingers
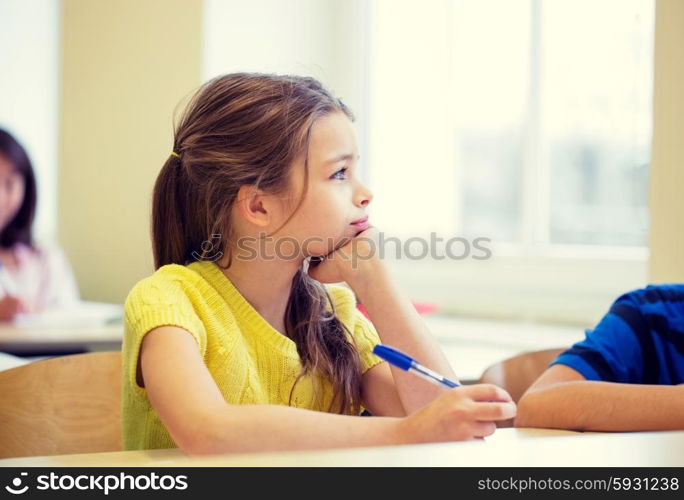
point(486, 392)
point(483, 429)
point(494, 411)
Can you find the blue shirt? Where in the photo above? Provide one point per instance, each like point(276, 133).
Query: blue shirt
point(639, 341)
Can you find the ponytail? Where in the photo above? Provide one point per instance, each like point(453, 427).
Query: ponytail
point(176, 228)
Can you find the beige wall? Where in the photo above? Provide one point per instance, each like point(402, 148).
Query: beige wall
point(666, 195)
point(125, 66)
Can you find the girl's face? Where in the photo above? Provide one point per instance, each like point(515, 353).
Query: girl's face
point(335, 197)
point(11, 191)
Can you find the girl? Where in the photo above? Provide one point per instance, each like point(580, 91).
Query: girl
point(234, 344)
point(32, 278)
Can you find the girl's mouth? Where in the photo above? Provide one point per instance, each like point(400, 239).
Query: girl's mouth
point(361, 224)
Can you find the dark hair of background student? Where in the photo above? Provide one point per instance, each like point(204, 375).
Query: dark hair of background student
point(19, 229)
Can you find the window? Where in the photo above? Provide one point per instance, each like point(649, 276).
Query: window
point(525, 122)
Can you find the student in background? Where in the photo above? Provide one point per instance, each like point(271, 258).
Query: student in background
point(32, 278)
point(233, 345)
point(626, 375)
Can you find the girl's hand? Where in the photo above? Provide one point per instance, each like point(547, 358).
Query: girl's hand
point(463, 413)
point(347, 261)
point(10, 307)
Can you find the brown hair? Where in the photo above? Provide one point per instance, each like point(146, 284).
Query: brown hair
point(248, 129)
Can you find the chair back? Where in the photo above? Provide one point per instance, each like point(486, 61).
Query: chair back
point(62, 405)
point(516, 374)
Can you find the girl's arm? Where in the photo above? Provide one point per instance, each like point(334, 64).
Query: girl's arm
point(562, 399)
point(379, 393)
point(394, 317)
point(399, 325)
point(192, 408)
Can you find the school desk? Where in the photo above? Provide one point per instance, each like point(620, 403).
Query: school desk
point(506, 448)
point(44, 340)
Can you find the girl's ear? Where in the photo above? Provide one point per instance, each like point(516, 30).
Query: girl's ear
point(254, 205)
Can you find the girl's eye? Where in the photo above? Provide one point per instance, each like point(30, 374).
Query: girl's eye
point(339, 174)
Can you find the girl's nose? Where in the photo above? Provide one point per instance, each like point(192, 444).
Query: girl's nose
point(363, 196)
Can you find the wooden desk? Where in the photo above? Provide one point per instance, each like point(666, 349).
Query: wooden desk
point(38, 341)
point(507, 448)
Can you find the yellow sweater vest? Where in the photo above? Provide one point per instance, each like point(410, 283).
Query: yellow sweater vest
point(251, 362)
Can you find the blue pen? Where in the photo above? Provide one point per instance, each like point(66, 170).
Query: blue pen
point(406, 362)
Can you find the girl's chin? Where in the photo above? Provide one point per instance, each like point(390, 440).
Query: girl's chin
point(335, 243)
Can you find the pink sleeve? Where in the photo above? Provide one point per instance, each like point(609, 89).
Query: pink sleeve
point(59, 284)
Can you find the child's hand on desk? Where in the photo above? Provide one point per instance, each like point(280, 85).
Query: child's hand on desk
point(348, 260)
point(10, 307)
point(463, 413)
